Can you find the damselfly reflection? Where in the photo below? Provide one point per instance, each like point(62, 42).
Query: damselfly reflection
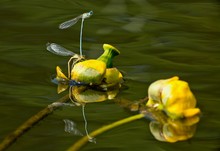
point(70, 127)
point(73, 21)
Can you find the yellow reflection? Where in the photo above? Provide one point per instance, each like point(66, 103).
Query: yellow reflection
point(174, 130)
point(84, 94)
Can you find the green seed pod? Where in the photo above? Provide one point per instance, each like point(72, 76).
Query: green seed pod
point(109, 53)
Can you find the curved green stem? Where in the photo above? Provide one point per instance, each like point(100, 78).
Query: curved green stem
point(12, 137)
point(76, 146)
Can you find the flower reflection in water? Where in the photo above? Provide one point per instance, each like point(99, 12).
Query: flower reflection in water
point(84, 94)
point(170, 107)
point(174, 130)
point(81, 95)
point(177, 106)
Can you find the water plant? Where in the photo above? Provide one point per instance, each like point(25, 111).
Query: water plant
point(170, 105)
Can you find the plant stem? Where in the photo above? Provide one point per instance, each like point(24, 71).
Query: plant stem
point(12, 137)
point(76, 146)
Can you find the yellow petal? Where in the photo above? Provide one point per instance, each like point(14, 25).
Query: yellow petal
point(191, 112)
point(177, 97)
point(112, 75)
point(61, 88)
point(60, 74)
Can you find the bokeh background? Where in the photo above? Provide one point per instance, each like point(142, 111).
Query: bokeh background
point(158, 39)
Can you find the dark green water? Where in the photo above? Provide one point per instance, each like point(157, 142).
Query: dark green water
point(157, 39)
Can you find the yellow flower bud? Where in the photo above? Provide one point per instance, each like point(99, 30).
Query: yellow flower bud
point(173, 96)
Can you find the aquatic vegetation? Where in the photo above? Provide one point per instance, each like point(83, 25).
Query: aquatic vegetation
point(170, 106)
point(178, 125)
point(94, 73)
point(174, 97)
point(87, 77)
point(99, 71)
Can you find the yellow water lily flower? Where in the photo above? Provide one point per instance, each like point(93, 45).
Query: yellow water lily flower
point(172, 96)
point(99, 72)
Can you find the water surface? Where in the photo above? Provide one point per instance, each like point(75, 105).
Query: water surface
point(157, 40)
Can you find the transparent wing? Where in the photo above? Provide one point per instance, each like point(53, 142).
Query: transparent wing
point(70, 22)
point(59, 50)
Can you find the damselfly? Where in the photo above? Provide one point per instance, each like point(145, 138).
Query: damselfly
point(73, 21)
